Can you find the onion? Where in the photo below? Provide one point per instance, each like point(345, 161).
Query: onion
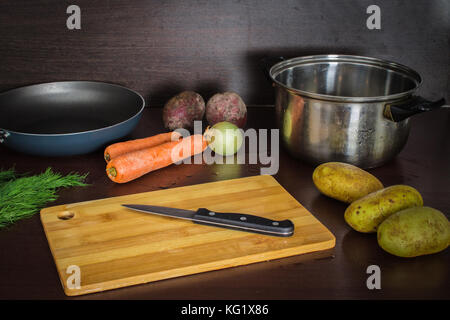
point(224, 138)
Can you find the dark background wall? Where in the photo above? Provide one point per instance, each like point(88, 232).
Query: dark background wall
point(162, 47)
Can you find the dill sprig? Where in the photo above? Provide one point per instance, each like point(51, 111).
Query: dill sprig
point(6, 175)
point(23, 196)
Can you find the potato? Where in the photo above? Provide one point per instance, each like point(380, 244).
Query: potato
point(414, 232)
point(366, 214)
point(344, 182)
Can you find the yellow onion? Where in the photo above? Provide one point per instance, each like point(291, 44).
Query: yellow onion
point(224, 138)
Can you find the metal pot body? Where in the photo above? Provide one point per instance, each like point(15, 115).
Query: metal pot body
point(345, 108)
point(320, 131)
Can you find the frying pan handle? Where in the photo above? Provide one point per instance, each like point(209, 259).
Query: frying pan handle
point(266, 63)
point(3, 135)
point(401, 110)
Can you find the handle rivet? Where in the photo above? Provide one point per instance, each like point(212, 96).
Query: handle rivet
point(211, 213)
point(275, 223)
point(243, 218)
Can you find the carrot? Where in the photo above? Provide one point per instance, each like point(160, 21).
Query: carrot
point(132, 165)
point(120, 148)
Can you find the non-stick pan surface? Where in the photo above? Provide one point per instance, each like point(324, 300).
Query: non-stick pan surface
point(67, 118)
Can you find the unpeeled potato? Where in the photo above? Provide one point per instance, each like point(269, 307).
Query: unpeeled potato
point(414, 232)
point(366, 213)
point(344, 182)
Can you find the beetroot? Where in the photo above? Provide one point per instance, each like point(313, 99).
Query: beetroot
point(227, 106)
point(182, 110)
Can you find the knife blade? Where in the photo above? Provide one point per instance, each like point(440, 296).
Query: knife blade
point(235, 221)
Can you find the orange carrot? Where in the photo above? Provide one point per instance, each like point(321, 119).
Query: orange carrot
point(120, 148)
point(132, 165)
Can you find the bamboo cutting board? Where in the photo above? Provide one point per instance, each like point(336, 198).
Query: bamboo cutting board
point(112, 247)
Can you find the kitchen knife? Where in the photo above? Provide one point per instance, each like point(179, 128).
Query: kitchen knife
point(235, 221)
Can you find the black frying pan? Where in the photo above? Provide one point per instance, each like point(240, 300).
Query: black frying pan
point(68, 117)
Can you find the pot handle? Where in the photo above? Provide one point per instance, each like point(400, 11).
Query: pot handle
point(266, 63)
point(399, 111)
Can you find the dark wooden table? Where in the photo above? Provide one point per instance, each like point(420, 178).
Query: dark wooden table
point(27, 270)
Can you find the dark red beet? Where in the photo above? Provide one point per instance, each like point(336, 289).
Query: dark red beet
point(182, 110)
point(227, 106)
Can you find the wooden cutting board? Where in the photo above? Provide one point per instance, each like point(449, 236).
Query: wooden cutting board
point(112, 247)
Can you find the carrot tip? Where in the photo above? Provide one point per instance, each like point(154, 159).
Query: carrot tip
point(112, 171)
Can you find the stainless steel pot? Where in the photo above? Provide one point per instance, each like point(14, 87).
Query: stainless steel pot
point(345, 108)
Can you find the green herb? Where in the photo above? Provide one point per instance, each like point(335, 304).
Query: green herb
point(22, 196)
point(6, 175)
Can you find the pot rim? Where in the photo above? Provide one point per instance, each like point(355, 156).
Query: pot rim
point(279, 67)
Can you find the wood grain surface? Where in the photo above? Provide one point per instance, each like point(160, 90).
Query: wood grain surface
point(28, 270)
point(116, 247)
point(160, 48)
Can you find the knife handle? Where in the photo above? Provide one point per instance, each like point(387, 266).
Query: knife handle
point(244, 222)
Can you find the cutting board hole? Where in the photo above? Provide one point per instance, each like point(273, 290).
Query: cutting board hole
point(65, 215)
